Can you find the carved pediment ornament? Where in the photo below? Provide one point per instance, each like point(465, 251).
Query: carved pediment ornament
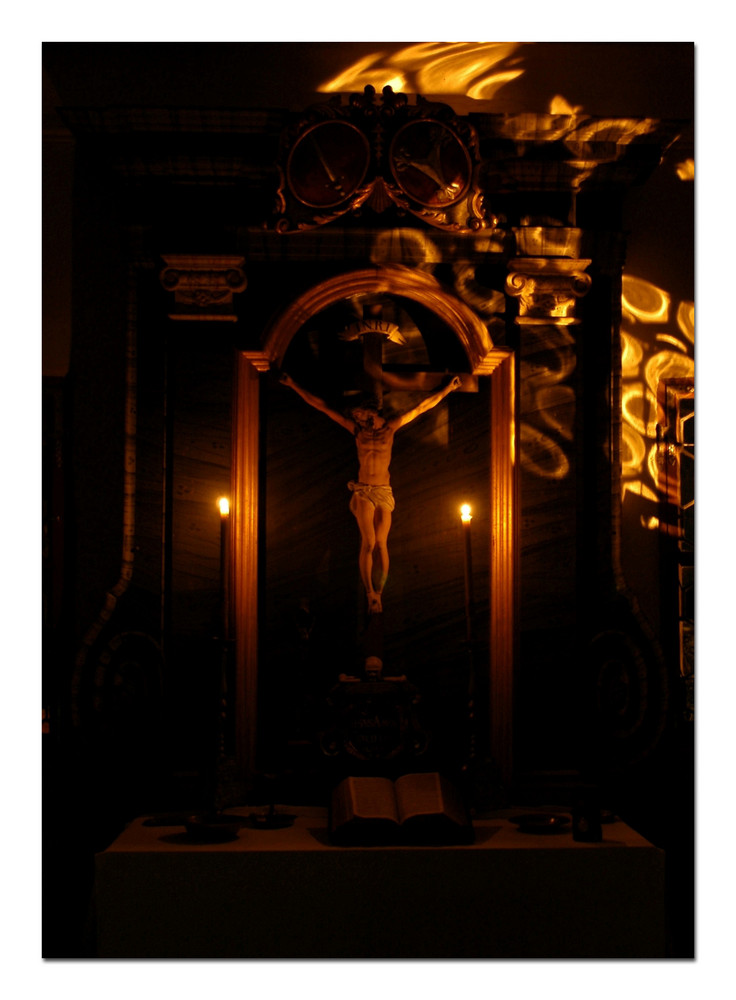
point(378, 153)
point(203, 285)
point(547, 288)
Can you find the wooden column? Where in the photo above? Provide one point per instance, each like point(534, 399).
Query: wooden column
point(503, 565)
point(244, 551)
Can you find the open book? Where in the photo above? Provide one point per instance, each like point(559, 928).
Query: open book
point(414, 809)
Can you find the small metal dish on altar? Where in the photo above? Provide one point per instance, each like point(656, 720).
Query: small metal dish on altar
point(540, 822)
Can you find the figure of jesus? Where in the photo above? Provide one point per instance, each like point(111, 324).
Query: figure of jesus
point(372, 500)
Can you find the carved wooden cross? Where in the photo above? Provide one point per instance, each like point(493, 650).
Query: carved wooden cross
point(372, 330)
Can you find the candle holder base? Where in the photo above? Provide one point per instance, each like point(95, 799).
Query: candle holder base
point(269, 821)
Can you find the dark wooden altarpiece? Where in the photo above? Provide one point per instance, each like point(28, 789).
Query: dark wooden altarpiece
point(247, 242)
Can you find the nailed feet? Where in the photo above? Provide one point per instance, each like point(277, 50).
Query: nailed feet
point(374, 603)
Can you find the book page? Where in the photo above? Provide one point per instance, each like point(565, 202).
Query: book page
point(428, 795)
point(418, 795)
point(372, 798)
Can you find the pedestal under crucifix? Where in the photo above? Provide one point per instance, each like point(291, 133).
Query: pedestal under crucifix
point(372, 501)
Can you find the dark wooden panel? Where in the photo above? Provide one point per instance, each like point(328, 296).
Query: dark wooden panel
point(548, 477)
point(201, 398)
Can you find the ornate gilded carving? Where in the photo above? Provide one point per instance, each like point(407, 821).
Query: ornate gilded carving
point(377, 153)
point(203, 285)
point(547, 288)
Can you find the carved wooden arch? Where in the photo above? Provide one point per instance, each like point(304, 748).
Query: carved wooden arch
point(484, 359)
point(469, 329)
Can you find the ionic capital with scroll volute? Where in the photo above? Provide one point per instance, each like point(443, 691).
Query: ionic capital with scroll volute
point(203, 285)
point(547, 288)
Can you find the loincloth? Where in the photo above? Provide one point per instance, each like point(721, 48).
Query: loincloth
point(379, 496)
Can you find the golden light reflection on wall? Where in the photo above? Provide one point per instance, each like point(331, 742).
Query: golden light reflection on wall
point(541, 454)
point(621, 131)
point(639, 410)
point(484, 300)
point(547, 402)
point(686, 170)
point(647, 356)
point(551, 400)
point(473, 69)
point(667, 338)
point(560, 106)
point(633, 448)
point(643, 302)
point(366, 72)
point(686, 320)
point(667, 364)
point(405, 246)
point(631, 352)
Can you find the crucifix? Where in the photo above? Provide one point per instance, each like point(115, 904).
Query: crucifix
point(372, 500)
point(373, 331)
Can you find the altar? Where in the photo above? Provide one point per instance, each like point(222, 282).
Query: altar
point(289, 893)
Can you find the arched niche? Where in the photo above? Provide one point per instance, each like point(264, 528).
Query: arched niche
point(484, 359)
point(469, 329)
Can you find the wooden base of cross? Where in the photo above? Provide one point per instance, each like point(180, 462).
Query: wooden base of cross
point(373, 647)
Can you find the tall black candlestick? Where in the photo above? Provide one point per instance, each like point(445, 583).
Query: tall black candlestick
point(225, 564)
point(466, 518)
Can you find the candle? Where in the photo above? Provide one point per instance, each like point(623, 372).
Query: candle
point(466, 517)
point(224, 506)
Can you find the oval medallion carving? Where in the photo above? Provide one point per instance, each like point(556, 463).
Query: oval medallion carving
point(327, 164)
point(430, 164)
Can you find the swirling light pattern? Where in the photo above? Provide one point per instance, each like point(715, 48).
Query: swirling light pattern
point(643, 302)
point(686, 320)
point(407, 246)
point(686, 170)
point(541, 454)
point(474, 69)
point(657, 341)
point(647, 357)
point(561, 106)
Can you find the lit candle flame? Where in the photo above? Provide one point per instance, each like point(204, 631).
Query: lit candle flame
point(465, 516)
point(224, 504)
